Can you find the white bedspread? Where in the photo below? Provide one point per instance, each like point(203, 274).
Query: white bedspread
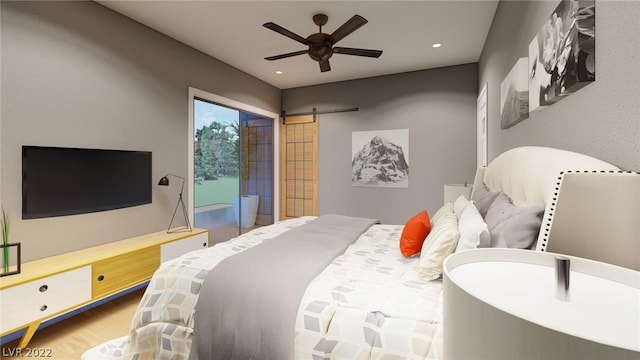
point(368, 303)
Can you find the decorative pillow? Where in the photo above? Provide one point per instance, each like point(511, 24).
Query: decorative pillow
point(414, 233)
point(440, 243)
point(483, 198)
point(460, 204)
point(473, 230)
point(512, 226)
point(445, 209)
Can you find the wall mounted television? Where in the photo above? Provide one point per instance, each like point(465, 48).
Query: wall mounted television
point(58, 181)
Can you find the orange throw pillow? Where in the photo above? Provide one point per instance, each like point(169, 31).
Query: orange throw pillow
point(414, 233)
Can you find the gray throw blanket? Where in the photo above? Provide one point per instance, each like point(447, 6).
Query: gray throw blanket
point(248, 304)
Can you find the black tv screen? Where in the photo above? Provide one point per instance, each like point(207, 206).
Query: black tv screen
point(60, 181)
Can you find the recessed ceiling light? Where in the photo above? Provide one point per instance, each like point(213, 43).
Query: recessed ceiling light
point(436, 45)
point(279, 72)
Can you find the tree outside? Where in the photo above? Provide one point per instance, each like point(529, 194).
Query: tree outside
point(216, 154)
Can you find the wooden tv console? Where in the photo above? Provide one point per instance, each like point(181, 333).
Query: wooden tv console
point(50, 287)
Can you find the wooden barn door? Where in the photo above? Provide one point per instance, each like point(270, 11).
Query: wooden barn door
point(299, 167)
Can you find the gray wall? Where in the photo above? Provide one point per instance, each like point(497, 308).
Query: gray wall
point(439, 109)
point(77, 74)
point(601, 119)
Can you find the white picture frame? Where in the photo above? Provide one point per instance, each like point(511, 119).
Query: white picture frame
point(481, 138)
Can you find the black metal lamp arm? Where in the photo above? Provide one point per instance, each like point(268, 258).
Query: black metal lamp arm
point(164, 181)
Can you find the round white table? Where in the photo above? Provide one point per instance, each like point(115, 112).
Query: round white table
point(501, 304)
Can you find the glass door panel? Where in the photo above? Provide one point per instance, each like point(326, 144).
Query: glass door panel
point(216, 169)
point(256, 169)
point(233, 170)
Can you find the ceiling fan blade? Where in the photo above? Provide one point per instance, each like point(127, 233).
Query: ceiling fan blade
point(282, 56)
point(324, 66)
point(279, 29)
point(357, 52)
point(347, 28)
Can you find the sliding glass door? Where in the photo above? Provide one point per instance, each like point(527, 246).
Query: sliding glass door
point(232, 170)
point(256, 168)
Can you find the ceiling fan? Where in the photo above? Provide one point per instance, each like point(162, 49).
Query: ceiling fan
point(321, 45)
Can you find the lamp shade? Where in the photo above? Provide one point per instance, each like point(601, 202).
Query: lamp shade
point(164, 181)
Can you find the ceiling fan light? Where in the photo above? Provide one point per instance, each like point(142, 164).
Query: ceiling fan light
point(436, 45)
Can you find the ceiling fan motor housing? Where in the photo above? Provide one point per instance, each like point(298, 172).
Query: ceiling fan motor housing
point(319, 48)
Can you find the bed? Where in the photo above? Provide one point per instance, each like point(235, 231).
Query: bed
point(371, 300)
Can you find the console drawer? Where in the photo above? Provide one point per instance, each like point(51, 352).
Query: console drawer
point(44, 297)
point(123, 271)
point(180, 247)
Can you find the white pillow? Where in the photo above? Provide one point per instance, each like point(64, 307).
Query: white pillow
point(440, 243)
point(460, 204)
point(447, 208)
point(473, 230)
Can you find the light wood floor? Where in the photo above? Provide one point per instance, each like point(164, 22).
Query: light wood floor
point(70, 338)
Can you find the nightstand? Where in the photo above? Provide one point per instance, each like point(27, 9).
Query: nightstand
point(452, 191)
point(501, 304)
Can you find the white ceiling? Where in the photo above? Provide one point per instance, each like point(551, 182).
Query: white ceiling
point(232, 32)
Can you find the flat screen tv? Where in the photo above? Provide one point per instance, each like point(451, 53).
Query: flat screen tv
point(59, 181)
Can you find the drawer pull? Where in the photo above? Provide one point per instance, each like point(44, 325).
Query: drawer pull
point(43, 288)
point(204, 244)
point(100, 277)
point(43, 308)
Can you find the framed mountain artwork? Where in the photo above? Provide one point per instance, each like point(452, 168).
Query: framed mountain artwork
point(380, 158)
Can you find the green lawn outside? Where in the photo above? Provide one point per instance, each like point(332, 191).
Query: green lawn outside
point(221, 191)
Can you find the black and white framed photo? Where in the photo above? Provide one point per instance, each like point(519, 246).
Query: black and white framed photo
point(514, 95)
point(380, 158)
point(482, 114)
point(562, 56)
